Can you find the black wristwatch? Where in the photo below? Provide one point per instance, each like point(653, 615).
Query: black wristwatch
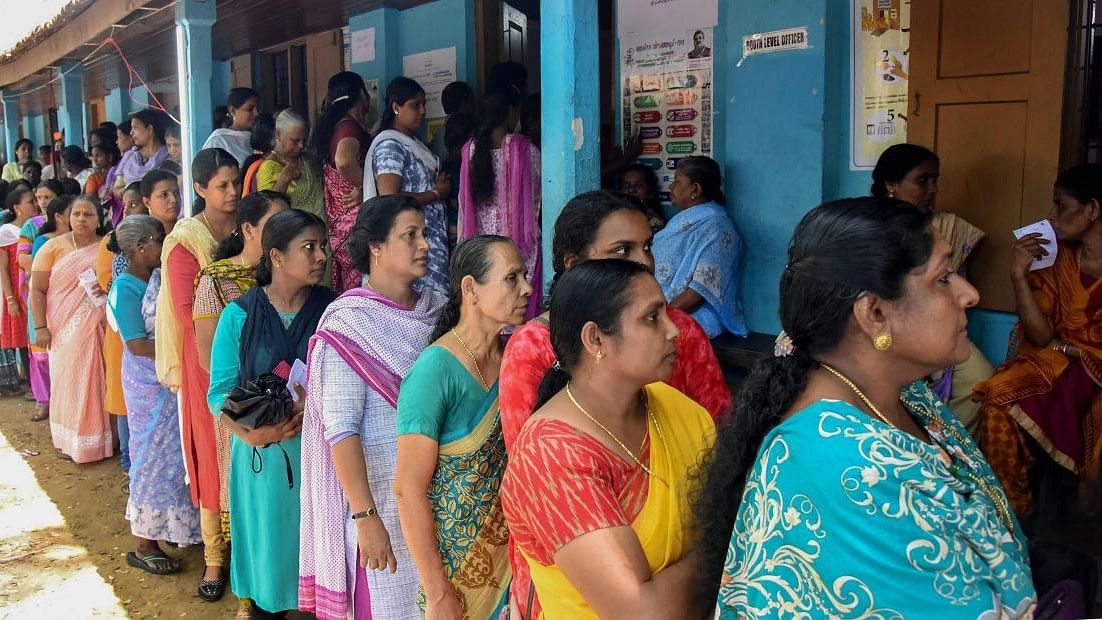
point(363, 514)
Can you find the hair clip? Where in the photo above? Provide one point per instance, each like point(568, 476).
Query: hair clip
point(341, 98)
point(557, 365)
point(783, 347)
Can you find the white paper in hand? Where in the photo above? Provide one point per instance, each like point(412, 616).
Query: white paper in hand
point(1044, 228)
point(298, 375)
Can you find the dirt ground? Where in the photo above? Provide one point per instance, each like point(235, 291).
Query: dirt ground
point(55, 566)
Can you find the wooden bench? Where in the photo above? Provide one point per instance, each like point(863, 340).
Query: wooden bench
point(738, 355)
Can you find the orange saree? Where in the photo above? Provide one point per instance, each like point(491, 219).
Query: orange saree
point(1042, 395)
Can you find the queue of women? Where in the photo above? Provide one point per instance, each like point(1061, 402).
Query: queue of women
point(464, 444)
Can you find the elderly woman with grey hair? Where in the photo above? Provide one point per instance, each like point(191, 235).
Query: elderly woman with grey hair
point(291, 171)
point(159, 507)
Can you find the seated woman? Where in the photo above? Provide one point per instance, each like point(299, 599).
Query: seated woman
point(1051, 390)
point(159, 506)
point(268, 327)
point(852, 490)
point(697, 254)
point(641, 182)
point(450, 446)
point(597, 483)
point(909, 172)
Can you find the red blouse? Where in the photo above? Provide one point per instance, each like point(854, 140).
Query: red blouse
point(528, 355)
point(696, 373)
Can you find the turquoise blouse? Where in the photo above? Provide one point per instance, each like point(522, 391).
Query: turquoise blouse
point(844, 516)
point(439, 397)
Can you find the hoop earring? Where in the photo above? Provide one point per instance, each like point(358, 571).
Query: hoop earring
point(882, 342)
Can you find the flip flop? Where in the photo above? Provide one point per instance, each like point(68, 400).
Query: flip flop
point(155, 563)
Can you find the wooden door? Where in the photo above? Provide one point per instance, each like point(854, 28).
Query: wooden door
point(326, 51)
point(986, 93)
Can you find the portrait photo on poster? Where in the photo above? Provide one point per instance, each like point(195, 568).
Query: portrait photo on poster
point(702, 44)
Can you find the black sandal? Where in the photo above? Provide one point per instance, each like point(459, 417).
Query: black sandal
point(155, 563)
point(212, 590)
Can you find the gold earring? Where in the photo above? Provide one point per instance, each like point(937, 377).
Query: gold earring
point(882, 341)
point(600, 355)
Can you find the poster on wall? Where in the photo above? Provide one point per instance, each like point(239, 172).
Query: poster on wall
point(433, 70)
point(881, 72)
point(666, 95)
point(643, 16)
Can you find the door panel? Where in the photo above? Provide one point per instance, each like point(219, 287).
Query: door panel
point(986, 92)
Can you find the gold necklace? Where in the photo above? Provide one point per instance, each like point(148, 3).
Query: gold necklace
point(1002, 506)
point(857, 391)
point(650, 414)
point(473, 359)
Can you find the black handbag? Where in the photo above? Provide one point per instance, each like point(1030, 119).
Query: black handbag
point(264, 401)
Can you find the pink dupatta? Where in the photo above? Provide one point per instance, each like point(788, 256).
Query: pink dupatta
point(517, 196)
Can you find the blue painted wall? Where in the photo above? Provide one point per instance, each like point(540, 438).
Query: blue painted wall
point(772, 117)
point(440, 24)
point(220, 77)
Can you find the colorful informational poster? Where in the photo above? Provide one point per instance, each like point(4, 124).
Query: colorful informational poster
point(881, 70)
point(666, 96)
point(433, 70)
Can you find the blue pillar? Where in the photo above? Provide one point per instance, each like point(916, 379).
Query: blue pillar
point(117, 105)
point(194, 19)
point(70, 115)
point(571, 120)
point(11, 126)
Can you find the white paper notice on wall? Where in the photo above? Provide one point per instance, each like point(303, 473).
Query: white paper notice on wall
point(433, 70)
point(363, 45)
point(775, 41)
point(654, 16)
point(1043, 228)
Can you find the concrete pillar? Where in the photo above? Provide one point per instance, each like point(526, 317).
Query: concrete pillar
point(11, 126)
point(70, 114)
point(571, 119)
point(117, 105)
point(194, 19)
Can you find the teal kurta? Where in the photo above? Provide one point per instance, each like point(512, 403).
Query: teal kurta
point(264, 512)
point(844, 516)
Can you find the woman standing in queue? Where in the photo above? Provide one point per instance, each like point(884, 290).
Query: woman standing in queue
point(147, 131)
point(598, 480)
point(366, 342)
point(243, 106)
point(159, 506)
point(597, 225)
point(840, 438)
point(68, 320)
point(500, 185)
point(289, 170)
point(57, 223)
point(268, 327)
point(187, 249)
point(451, 455)
point(20, 207)
point(340, 141)
point(231, 275)
point(398, 162)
